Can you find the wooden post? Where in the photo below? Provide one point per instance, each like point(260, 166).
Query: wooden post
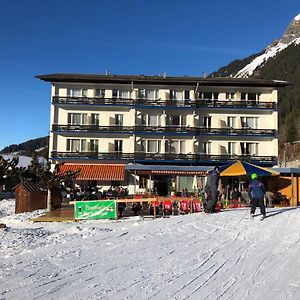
point(154, 209)
point(292, 179)
point(117, 212)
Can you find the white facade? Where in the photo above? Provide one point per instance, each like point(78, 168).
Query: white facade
point(156, 120)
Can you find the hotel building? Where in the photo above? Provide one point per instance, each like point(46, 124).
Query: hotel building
point(158, 132)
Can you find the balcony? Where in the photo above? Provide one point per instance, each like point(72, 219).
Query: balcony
point(166, 130)
point(192, 159)
point(202, 103)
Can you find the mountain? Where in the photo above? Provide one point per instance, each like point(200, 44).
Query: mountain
point(39, 145)
point(279, 61)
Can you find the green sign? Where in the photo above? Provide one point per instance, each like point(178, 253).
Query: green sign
point(98, 209)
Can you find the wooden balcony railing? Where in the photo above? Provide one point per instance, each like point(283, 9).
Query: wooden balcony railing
point(165, 130)
point(162, 157)
point(200, 103)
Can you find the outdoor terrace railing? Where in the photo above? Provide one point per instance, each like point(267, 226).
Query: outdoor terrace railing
point(199, 103)
point(154, 157)
point(165, 129)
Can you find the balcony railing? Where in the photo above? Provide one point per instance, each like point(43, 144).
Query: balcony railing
point(162, 157)
point(200, 103)
point(165, 130)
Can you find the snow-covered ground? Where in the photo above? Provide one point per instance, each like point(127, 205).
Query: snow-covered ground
point(221, 256)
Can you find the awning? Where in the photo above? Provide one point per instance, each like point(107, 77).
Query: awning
point(167, 170)
point(101, 172)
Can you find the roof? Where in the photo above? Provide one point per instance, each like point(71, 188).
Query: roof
point(32, 187)
point(162, 80)
point(101, 172)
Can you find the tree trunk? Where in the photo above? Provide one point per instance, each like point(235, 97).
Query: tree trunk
point(49, 200)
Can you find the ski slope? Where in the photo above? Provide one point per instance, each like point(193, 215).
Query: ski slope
point(221, 256)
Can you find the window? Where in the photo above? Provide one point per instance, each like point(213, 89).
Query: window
point(150, 146)
point(77, 119)
point(206, 148)
point(250, 96)
point(176, 95)
point(94, 145)
point(207, 122)
point(94, 119)
point(121, 94)
point(76, 145)
point(231, 122)
point(150, 120)
point(100, 93)
point(208, 95)
point(231, 148)
point(230, 96)
point(118, 146)
point(148, 94)
point(249, 122)
point(249, 148)
point(119, 120)
point(175, 146)
point(143, 181)
point(74, 92)
point(177, 120)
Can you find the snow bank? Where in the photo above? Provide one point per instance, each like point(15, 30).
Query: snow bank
point(221, 256)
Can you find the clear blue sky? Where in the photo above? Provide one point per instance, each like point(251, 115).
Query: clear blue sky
point(124, 36)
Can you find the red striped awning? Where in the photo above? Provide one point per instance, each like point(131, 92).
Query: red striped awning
point(101, 172)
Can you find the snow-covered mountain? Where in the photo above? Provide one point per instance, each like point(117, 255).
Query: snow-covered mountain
point(290, 37)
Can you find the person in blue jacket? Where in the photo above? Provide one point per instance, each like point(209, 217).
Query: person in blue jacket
point(256, 192)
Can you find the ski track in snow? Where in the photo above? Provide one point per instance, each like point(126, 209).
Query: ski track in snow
point(221, 256)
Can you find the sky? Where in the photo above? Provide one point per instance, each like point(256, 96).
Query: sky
point(135, 37)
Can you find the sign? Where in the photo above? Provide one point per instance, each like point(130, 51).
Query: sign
point(98, 209)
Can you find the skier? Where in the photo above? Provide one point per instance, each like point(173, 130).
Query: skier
point(256, 192)
point(211, 190)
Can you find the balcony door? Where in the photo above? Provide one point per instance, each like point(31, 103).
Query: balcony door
point(249, 148)
point(118, 146)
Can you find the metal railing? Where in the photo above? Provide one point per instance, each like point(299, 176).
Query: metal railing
point(156, 157)
point(247, 131)
point(199, 103)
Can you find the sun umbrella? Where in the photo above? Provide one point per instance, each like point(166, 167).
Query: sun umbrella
point(239, 168)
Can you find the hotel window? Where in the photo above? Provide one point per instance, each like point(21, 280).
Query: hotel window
point(118, 120)
point(118, 146)
point(175, 146)
point(207, 95)
point(94, 119)
point(249, 148)
point(231, 148)
point(250, 96)
point(206, 148)
point(249, 122)
point(150, 120)
point(148, 94)
point(176, 120)
point(207, 122)
point(150, 146)
point(121, 94)
point(230, 96)
point(74, 92)
point(77, 119)
point(76, 145)
point(100, 93)
point(94, 145)
point(143, 181)
point(176, 95)
point(231, 122)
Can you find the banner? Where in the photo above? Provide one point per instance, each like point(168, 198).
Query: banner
point(97, 209)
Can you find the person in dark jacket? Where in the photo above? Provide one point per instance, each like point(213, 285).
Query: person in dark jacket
point(211, 190)
point(256, 192)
